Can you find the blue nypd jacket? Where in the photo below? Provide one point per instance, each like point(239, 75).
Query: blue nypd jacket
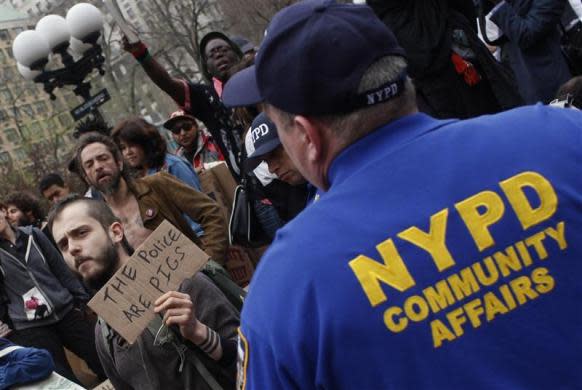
point(446, 254)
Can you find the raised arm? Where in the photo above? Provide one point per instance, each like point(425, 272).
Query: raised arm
point(156, 72)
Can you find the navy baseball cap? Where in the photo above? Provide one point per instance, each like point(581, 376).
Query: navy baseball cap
point(265, 140)
point(312, 59)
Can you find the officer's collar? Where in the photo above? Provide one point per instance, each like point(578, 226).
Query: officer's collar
point(380, 142)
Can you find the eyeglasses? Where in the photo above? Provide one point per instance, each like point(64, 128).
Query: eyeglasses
point(177, 129)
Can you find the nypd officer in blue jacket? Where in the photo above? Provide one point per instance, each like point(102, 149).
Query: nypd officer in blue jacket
point(443, 254)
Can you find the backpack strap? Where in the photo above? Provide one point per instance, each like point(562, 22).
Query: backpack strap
point(234, 293)
point(107, 335)
point(163, 334)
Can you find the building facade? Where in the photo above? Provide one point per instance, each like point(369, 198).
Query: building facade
point(29, 120)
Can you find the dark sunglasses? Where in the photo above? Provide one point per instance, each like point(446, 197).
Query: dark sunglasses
point(177, 129)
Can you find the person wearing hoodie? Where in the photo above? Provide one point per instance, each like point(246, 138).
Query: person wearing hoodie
point(44, 300)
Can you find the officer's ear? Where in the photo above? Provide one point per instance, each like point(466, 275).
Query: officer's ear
point(311, 137)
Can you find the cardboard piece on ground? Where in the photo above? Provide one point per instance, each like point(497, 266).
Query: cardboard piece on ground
point(53, 382)
point(105, 386)
point(159, 265)
point(81, 370)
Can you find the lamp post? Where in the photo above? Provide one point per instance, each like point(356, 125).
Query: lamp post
point(67, 38)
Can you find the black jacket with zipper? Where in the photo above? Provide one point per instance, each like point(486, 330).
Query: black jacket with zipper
point(42, 273)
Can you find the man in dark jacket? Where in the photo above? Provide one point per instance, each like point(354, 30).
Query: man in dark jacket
point(93, 243)
point(533, 45)
point(454, 73)
point(44, 299)
point(218, 54)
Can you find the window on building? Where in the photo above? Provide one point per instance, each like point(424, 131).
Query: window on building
point(32, 91)
point(20, 154)
point(4, 35)
point(11, 135)
point(65, 120)
point(10, 74)
point(5, 158)
point(26, 132)
point(5, 95)
point(36, 129)
point(27, 109)
point(58, 104)
point(41, 107)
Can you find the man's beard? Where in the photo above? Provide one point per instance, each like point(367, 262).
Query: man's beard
point(109, 259)
point(111, 186)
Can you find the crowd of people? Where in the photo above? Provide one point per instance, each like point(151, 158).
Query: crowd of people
point(411, 208)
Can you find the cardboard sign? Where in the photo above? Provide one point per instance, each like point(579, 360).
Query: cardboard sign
point(159, 265)
point(105, 386)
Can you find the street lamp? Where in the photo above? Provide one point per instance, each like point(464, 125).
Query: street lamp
point(54, 37)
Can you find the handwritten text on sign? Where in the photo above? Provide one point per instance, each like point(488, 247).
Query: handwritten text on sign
point(159, 265)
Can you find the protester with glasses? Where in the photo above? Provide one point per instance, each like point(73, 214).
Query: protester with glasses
point(195, 144)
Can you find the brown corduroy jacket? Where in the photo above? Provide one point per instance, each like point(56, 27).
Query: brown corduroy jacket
point(161, 196)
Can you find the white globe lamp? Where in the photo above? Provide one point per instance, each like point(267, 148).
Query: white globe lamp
point(31, 49)
point(55, 31)
point(26, 72)
point(85, 22)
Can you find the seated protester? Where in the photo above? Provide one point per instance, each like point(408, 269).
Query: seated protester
point(199, 310)
point(44, 300)
point(195, 144)
point(21, 365)
point(285, 188)
point(143, 203)
point(23, 209)
point(146, 152)
point(53, 188)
